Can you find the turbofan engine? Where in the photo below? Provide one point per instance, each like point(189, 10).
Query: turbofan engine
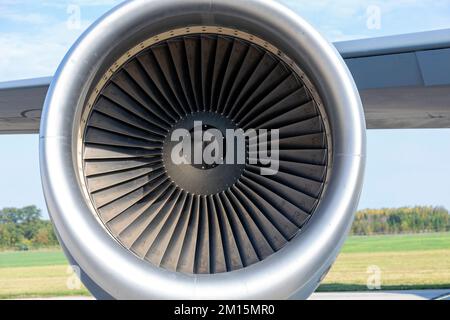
point(141, 225)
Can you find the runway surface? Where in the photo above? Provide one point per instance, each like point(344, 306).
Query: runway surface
point(441, 294)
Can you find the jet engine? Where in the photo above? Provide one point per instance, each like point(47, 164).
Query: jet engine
point(140, 225)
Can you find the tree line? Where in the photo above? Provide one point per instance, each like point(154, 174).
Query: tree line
point(24, 228)
point(401, 220)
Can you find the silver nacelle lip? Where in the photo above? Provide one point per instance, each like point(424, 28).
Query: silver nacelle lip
point(299, 266)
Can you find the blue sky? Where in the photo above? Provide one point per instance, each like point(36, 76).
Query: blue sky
point(405, 167)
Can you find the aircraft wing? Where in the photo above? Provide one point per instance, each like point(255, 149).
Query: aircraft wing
point(404, 82)
point(21, 104)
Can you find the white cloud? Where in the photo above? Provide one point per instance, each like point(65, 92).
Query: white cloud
point(33, 18)
point(82, 3)
point(7, 13)
point(28, 55)
point(38, 50)
point(347, 19)
point(34, 38)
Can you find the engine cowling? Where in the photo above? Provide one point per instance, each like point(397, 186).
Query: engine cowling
point(141, 225)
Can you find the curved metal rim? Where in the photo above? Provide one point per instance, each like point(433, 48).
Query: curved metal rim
point(131, 53)
point(302, 262)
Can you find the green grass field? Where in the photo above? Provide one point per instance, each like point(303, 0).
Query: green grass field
point(393, 243)
point(13, 259)
point(419, 261)
point(405, 262)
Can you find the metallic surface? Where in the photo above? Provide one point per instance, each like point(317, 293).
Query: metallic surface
point(300, 265)
point(411, 42)
point(21, 105)
point(407, 107)
point(199, 219)
point(403, 80)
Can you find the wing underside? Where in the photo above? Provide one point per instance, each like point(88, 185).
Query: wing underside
point(21, 104)
point(404, 82)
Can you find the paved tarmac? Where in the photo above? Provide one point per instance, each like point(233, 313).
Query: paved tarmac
point(441, 294)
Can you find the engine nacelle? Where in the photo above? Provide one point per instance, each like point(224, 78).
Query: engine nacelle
point(140, 224)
